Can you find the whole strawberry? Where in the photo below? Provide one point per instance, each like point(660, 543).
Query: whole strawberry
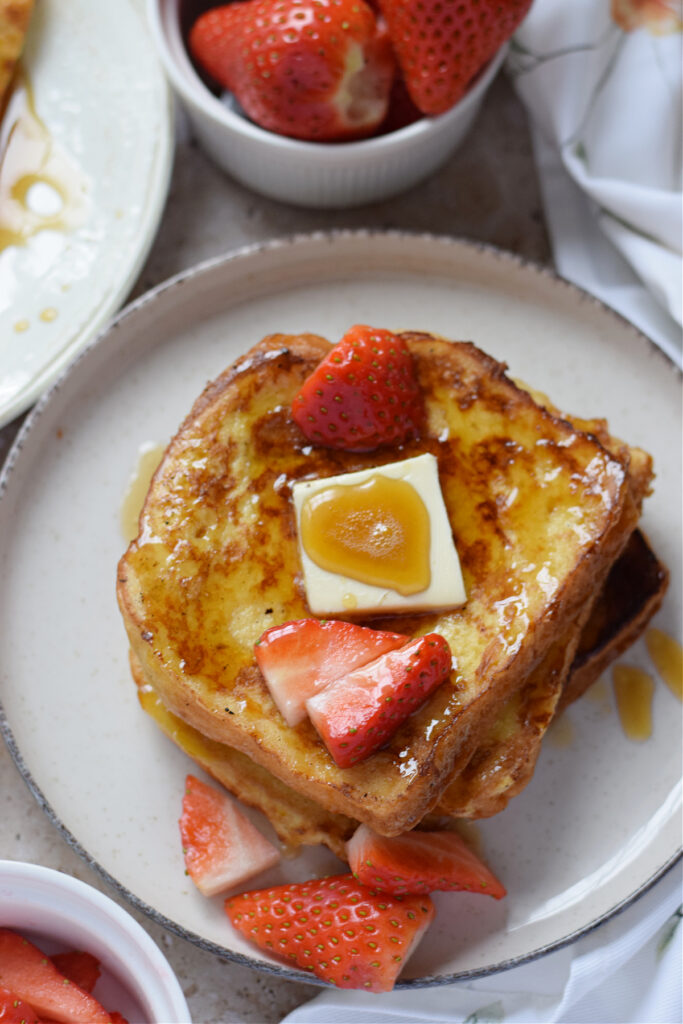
point(319, 70)
point(336, 928)
point(363, 395)
point(441, 45)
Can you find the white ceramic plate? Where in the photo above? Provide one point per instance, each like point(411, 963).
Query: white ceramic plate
point(601, 819)
point(92, 136)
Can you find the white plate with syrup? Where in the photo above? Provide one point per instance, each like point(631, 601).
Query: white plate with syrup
point(601, 820)
point(86, 146)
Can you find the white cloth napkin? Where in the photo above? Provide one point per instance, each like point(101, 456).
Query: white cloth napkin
point(602, 85)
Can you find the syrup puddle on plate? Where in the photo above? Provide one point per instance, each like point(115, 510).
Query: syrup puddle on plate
point(149, 457)
point(667, 656)
point(41, 188)
point(634, 690)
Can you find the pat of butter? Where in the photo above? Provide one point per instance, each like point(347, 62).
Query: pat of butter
point(399, 503)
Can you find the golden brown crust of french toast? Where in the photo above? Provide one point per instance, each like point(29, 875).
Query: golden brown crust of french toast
point(539, 509)
point(505, 757)
point(15, 16)
point(633, 593)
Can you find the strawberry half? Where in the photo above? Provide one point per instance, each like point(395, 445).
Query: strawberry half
point(32, 977)
point(442, 45)
point(311, 69)
point(363, 395)
point(220, 845)
point(356, 714)
point(419, 862)
point(300, 658)
point(336, 928)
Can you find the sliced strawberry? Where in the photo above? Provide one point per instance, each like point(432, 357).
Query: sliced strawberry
point(14, 1010)
point(336, 928)
point(311, 69)
point(32, 976)
point(419, 862)
point(300, 658)
point(220, 845)
point(81, 968)
point(441, 47)
point(358, 713)
point(363, 395)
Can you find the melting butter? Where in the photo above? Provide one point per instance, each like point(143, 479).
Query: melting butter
point(385, 523)
point(376, 532)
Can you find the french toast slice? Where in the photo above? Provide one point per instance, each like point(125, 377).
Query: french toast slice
point(539, 511)
point(504, 762)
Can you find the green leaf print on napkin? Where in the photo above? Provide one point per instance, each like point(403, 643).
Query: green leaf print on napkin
point(493, 1014)
point(668, 932)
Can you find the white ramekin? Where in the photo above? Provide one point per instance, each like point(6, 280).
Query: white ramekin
point(59, 912)
point(311, 174)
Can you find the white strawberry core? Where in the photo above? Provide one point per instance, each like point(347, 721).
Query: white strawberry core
point(358, 98)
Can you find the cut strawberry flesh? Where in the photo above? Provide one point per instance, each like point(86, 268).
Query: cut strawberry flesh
point(419, 862)
point(14, 1010)
point(301, 658)
point(32, 976)
point(222, 848)
point(356, 714)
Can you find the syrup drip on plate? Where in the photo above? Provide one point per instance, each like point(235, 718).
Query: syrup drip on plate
point(41, 189)
point(149, 458)
point(634, 690)
point(667, 655)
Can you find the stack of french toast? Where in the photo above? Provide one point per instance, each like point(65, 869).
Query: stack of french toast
point(544, 510)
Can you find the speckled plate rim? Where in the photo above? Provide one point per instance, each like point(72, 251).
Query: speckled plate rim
point(114, 290)
point(280, 246)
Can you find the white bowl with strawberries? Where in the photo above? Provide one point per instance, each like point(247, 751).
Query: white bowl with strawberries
point(332, 103)
point(69, 953)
